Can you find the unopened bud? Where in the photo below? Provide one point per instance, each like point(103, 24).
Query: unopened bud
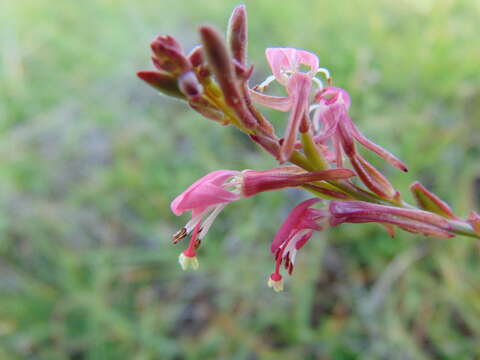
point(427, 200)
point(372, 178)
point(237, 34)
point(189, 85)
point(221, 65)
point(196, 57)
point(169, 55)
point(164, 83)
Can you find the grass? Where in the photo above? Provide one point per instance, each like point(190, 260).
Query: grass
point(91, 158)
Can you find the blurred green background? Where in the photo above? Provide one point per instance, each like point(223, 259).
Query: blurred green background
point(90, 159)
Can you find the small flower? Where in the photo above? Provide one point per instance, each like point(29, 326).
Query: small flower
point(208, 196)
point(286, 68)
point(294, 233)
point(331, 110)
point(205, 198)
point(331, 121)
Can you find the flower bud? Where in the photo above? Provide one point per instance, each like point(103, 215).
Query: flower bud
point(189, 85)
point(372, 178)
point(169, 55)
point(221, 65)
point(237, 34)
point(164, 83)
point(426, 200)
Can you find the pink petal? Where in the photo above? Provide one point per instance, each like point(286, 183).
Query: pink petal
point(299, 89)
point(291, 223)
point(275, 102)
point(204, 192)
point(289, 59)
point(386, 155)
point(331, 95)
point(330, 117)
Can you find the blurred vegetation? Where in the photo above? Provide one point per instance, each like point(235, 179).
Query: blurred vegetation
point(91, 157)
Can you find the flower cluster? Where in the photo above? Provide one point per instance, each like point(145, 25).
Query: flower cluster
point(318, 139)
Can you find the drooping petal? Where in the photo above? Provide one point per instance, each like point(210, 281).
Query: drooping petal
point(291, 223)
point(281, 103)
point(299, 89)
point(205, 192)
point(380, 151)
point(329, 116)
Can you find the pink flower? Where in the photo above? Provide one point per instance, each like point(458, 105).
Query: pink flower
point(411, 220)
point(331, 121)
point(294, 233)
point(207, 196)
point(332, 112)
point(285, 64)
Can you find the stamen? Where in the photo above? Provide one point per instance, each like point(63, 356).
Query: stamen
point(209, 221)
point(179, 235)
point(264, 85)
point(318, 82)
point(324, 72)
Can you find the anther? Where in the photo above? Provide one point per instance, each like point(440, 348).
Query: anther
point(179, 235)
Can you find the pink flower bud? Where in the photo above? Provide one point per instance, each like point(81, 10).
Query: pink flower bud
point(237, 34)
point(169, 55)
point(165, 83)
point(221, 65)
